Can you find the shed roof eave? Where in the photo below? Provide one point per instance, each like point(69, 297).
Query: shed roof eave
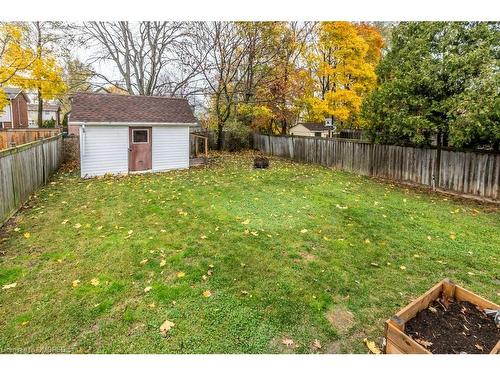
point(131, 123)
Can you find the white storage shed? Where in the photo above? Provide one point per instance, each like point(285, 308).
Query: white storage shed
point(120, 134)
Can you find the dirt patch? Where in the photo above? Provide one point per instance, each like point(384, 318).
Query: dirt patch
point(332, 347)
point(340, 318)
point(459, 328)
point(308, 257)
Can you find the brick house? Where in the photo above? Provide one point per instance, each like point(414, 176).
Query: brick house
point(15, 113)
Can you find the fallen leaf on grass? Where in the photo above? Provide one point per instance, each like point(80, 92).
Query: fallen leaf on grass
point(304, 231)
point(147, 289)
point(207, 293)
point(77, 225)
point(165, 327)
point(203, 237)
point(94, 281)
point(424, 343)
point(374, 264)
point(288, 342)
point(453, 236)
point(64, 221)
point(163, 262)
point(9, 286)
point(17, 229)
point(402, 267)
point(27, 235)
point(372, 346)
point(75, 283)
point(246, 222)
point(181, 274)
point(367, 241)
point(144, 261)
point(316, 344)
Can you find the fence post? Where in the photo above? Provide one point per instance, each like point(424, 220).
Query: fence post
point(437, 168)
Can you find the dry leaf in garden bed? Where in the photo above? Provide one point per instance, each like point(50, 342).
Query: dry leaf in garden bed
point(165, 327)
point(9, 286)
point(479, 347)
point(424, 343)
point(372, 347)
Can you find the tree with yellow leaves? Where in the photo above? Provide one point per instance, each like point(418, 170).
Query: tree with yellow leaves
point(44, 75)
point(342, 63)
point(15, 56)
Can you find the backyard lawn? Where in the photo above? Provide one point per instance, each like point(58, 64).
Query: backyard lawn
point(294, 259)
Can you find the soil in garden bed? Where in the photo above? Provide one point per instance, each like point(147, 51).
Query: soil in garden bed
point(458, 327)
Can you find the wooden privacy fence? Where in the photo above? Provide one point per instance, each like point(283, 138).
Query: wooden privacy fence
point(25, 168)
point(467, 173)
point(15, 137)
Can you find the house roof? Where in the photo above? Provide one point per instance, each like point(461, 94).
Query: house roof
point(46, 107)
point(12, 92)
point(116, 108)
point(314, 126)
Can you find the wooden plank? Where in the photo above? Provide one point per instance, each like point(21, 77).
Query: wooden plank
point(462, 294)
point(420, 303)
point(405, 343)
point(392, 348)
point(496, 348)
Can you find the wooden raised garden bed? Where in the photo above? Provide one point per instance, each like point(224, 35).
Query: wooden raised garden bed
point(459, 314)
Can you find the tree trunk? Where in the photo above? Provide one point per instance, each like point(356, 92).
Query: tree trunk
point(220, 135)
point(40, 107)
point(283, 126)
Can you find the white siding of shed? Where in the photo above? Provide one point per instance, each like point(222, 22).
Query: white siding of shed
point(104, 149)
point(170, 147)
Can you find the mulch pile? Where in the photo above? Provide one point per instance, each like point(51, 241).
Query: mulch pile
point(452, 327)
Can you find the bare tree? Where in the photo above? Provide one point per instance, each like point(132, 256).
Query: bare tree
point(149, 57)
point(220, 51)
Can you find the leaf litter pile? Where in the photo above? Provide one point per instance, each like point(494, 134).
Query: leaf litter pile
point(453, 327)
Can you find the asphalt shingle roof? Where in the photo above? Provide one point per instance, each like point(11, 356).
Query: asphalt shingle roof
point(98, 107)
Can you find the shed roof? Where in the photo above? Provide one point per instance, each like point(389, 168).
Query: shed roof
point(116, 108)
point(314, 126)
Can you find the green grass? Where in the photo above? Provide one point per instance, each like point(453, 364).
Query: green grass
point(270, 279)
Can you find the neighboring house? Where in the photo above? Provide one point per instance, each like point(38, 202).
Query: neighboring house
point(15, 113)
point(126, 133)
point(50, 111)
point(311, 129)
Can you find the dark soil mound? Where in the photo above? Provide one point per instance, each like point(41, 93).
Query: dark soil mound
point(459, 327)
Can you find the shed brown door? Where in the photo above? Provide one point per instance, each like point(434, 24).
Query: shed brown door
point(140, 149)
